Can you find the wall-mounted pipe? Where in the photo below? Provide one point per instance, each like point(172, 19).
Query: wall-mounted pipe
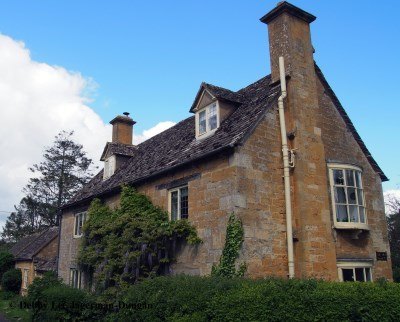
point(286, 168)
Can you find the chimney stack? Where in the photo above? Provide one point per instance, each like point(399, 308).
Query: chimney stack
point(289, 36)
point(122, 129)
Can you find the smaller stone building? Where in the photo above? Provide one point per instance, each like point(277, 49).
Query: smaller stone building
point(36, 254)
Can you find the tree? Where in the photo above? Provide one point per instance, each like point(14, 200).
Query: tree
point(62, 173)
point(393, 219)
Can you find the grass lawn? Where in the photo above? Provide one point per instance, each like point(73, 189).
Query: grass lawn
point(10, 309)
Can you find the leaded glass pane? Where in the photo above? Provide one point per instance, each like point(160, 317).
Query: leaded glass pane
point(358, 179)
point(184, 203)
point(212, 116)
point(174, 205)
point(338, 177)
point(360, 197)
point(202, 122)
point(340, 196)
point(347, 275)
point(360, 274)
point(350, 178)
point(353, 213)
point(341, 213)
point(362, 214)
point(368, 274)
point(351, 196)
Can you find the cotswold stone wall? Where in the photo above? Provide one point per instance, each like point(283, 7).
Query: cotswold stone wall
point(49, 251)
point(340, 146)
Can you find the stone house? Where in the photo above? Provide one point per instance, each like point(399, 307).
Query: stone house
point(286, 160)
point(36, 254)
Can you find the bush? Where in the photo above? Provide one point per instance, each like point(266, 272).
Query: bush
point(6, 262)
point(64, 303)
point(11, 280)
point(185, 298)
point(36, 289)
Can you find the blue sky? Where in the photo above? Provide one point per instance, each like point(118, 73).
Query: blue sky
point(149, 57)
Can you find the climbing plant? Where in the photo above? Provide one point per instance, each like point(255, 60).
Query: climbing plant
point(132, 242)
point(233, 243)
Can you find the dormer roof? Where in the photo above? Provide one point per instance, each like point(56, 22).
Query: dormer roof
point(112, 148)
point(217, 93)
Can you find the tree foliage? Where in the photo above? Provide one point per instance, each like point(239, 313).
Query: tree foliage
point(62, 173)
point(233, 243)
point(135, 241)
point(393, 219)
point(6, 262)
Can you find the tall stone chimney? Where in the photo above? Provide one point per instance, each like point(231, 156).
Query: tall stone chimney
point(122, 129)
point(289, 36)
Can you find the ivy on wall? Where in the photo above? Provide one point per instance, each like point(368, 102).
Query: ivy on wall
point(233, 243)
point(130, 243)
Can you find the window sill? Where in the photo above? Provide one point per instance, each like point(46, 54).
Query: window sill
point(351, 226)
point(206, 134)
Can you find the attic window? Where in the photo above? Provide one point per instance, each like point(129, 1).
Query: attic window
point(207, 120)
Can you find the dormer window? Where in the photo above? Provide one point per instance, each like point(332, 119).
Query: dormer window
point(207, 120)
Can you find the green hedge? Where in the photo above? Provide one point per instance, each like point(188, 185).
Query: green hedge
point(186, 298)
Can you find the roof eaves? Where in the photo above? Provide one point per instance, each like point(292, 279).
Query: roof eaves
point(117, 189)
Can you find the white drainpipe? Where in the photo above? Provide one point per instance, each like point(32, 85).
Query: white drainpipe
point(286, 169)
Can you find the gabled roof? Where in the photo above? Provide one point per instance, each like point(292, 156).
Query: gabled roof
point(218, 93)
point(29, 246)
point(178, 146)
point(118, 148)
point(349, 124)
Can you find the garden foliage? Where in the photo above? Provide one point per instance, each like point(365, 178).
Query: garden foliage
point(132, 242)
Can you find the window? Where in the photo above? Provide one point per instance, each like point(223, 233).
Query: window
point(80, 219)
point(25, 278)
point(207, 120)
point(75, 278)
point(355, 272)
point(109, 167)
point(179, 203)
point(347, 196)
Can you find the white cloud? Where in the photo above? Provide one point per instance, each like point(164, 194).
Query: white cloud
point(36, 102)
point(147, 134)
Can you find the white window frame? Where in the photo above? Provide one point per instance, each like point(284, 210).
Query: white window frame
point(346, 225)
point(177, 189)
point(78, 230)
point(72, 272)
point(354, 265)
point(109, 167)
point(25, 278)
point(208, 132)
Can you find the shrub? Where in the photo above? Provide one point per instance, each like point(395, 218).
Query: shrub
point(64, 303)
point(6, 262)
point(185, 298)
point(36, 289)
point(11, 280)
